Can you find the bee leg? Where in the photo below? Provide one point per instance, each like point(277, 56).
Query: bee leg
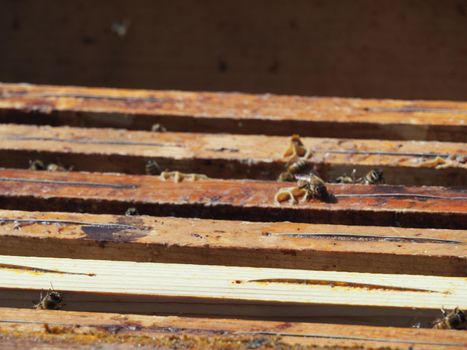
point(444, 312)
point(307, 154)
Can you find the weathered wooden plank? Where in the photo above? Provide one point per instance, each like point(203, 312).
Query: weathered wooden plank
point(384, 205)
point(156, 288)
point(68, 328)
point(235, 156)
point(216, 242)
point(236, 113)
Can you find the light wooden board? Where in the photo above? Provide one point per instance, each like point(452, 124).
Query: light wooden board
point(68, 328)
point(434, 207)
point(238, 113)
point(121, 286)
point(233, 156)
point(217, 242)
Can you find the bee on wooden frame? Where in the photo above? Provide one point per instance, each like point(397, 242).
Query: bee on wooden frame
point(292, 168)
point(52, 300)
point(455, 319)
point(309, 186)
point(37, 164)
point(132, 212)
point(296, 149)
point(158, 128)
point(40, 165)
point(177, 176)
point(152, 168)
point(345, 179)
point(55, 167)
point(314, 187)
point(373, 177)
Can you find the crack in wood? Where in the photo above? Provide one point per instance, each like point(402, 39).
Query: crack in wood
point(92, 141)
point(67, 183)
point(129, 99)
point(414, 109)
point(70, 222)
point(357, 237)
point(400, 195)
point(332, 283)
point(39, 270)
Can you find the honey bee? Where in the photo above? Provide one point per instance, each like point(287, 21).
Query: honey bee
point(345, 179)
point(179, 177)
point(158, 128)
point(131, 212)
point(310, 186)
point(296, 149)
point(36, 165)
point(451, 320)
point(40, 165)
point(53, 300)
point(375, 176)
point(152, 168)
point(292, 168)
point(55, 167)
point(314, 187)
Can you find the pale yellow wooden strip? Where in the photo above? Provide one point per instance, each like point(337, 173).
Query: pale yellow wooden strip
point(233, 283)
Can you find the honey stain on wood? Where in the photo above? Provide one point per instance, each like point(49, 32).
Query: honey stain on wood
point(332, 284)
point(37, 270)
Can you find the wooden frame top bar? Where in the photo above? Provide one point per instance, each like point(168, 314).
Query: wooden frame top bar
point(382, 205)
point(263, 293)
point(73, 329)
point(236, 156)
point(217, 242)
point(235, 112)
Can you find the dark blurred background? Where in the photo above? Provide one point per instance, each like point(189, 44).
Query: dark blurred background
point(389, 48)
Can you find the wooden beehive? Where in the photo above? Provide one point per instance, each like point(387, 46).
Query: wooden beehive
point(217, 262)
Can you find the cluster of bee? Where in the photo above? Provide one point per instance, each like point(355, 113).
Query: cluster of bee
point(309, 185)
point(373, 177)
point(52, 300)
point(177, 176)
point(456, 319)
point(40, 165)
point(152, 168)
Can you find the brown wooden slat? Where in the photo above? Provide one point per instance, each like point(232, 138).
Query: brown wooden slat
point(435, 207)
point(238, 113)
point(216, 242)
point(66, 328)
point(235, 156)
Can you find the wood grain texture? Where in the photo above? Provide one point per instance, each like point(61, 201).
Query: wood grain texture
point(217, 242)
point(233, 156)
point(396, 48)
point(382, 205)
point(235, 113)
point(109, 331)
point(262, 293)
